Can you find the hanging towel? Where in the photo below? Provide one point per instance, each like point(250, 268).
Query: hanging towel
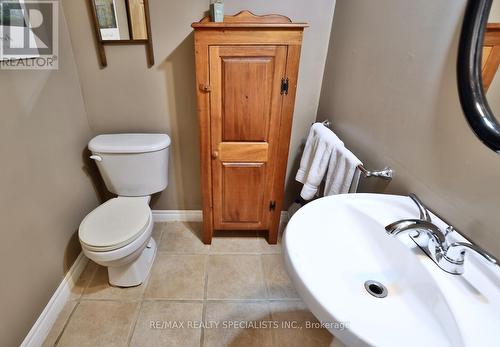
point(314, 162)
point(342, 173)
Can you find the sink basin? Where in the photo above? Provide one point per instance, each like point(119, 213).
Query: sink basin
point(333, 245)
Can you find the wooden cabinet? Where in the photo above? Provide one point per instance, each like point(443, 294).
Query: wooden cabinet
point(246, 74)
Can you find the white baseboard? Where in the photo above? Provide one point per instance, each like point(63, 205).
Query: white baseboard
point(190, 216)
point(47, 318)
point(284, 217)
point(177, 215)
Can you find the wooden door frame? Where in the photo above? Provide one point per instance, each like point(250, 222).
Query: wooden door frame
point(492, 61)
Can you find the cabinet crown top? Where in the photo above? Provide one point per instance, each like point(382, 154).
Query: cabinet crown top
point(246, 19)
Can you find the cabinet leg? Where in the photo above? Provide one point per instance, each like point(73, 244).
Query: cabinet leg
point(274, 228)
point(273, 233)
point(207, 230)
point(272, 237)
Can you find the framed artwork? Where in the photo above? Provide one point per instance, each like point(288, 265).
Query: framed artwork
point(107, 18)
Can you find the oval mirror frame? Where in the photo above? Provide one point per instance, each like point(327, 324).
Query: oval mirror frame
point(470, 81)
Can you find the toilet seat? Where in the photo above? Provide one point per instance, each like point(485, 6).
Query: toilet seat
point(114, 224)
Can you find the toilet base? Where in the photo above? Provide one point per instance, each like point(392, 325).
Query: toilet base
point(136, 272)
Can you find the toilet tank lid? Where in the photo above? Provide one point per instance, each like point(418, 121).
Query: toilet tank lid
point(129, 143)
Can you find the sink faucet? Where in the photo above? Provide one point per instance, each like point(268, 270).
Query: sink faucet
point(449, 256)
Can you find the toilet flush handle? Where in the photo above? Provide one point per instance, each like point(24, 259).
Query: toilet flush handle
point(96, 157)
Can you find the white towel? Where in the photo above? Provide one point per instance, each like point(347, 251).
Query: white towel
point(314, 162)
point(343, 172)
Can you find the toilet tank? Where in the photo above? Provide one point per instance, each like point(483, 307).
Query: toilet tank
point(132, 164)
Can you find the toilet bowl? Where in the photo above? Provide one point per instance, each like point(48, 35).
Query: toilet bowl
point(118, 233)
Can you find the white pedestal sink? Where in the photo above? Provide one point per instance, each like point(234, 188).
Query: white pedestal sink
point(333, 245)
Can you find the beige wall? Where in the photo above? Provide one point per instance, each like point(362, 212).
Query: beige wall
point(45, 188)
point(493, 95)
point(390, 89)
point(495, 12)
point(128, 97)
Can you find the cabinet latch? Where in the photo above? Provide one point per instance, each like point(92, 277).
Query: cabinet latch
point(272, 205)
point(284, 86)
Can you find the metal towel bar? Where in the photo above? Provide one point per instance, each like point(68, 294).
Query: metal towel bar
point(387, 173)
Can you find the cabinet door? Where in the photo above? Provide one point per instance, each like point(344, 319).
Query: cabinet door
point(245, 112)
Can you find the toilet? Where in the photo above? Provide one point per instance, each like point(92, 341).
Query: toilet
point(117, 234)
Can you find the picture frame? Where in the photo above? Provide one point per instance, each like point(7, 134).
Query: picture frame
point(107, 19)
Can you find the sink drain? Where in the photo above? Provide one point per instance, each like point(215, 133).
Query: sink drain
point(376, 289)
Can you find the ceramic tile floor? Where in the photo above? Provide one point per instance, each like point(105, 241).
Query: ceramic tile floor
point(236, 279)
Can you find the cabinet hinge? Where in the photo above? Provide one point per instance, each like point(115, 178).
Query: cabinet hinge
point(272, 205)
point(284, 86)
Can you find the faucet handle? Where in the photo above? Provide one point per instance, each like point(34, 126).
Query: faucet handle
point(424, 213)
point(448, 231)
point(456, 253)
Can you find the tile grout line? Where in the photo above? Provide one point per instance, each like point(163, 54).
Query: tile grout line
point(56, 342)
point(216, 253)
point(134, 324)
point(195, 301)
point(174, 301)
point(272, 315)
point(271, 300)
point(205, 291)
point(139, 309)
point(268, 296)
point(91, 278)
point(192, 301)
point(160, 239)
point(266, 287)
point(273, 335)
point(143, 293)
point(78, 301)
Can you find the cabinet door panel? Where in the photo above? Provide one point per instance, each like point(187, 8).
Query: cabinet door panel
point(245, 114)
point(242, 192)
point(247, 83)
